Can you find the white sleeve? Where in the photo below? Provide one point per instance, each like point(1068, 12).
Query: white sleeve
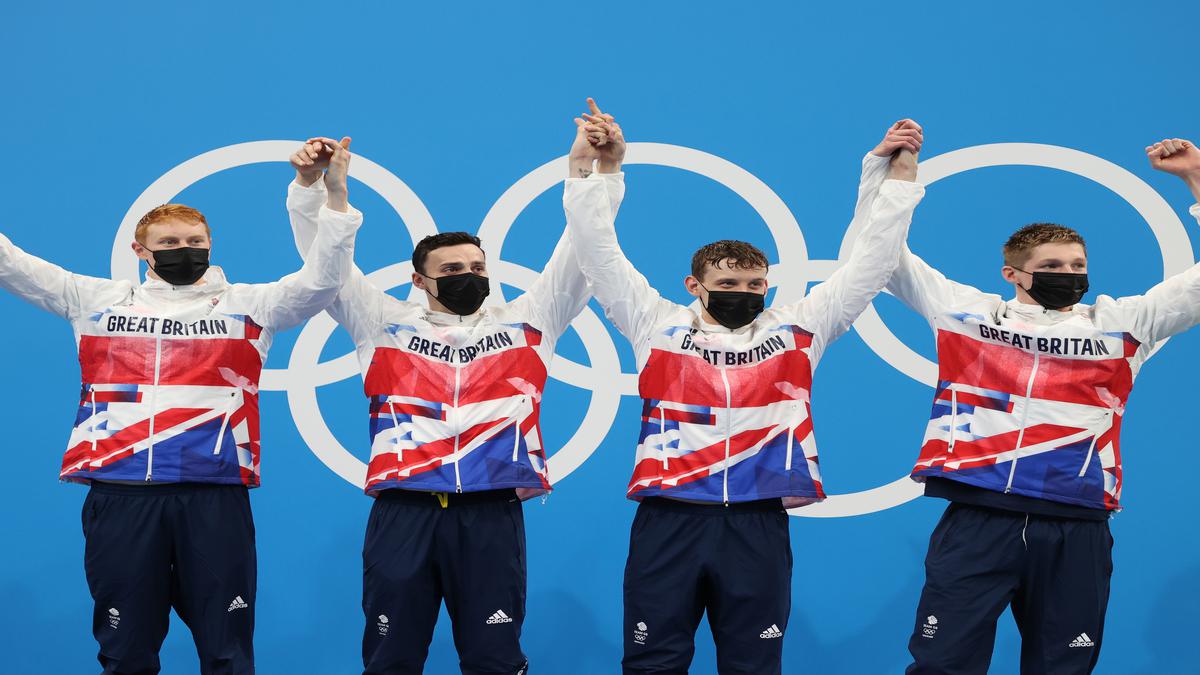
point(925, 290)
point(874, 172)
point(359, 304)
point(1169, 307)
point(302, 294)
point(561, 290)
point(832, 305)
point(628, 299)
point(52, 288)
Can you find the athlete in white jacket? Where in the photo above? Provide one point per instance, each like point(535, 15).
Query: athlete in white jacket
point(726, 436)
point(167, 428)
point(454, 392)
point(1024, 440)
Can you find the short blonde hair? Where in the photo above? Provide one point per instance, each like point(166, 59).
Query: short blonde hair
point(1022, 242)
point(166, 212)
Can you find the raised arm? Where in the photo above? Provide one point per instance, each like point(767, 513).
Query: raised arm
point(834, 304)
point(52, 288)
point(302, 294)
point(924, 289)
point(359, 305)
point(561, 290)
point(628, 299)
point(876, 165)
point(1173, 305)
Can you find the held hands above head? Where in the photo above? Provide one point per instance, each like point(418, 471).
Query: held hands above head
point(1178, 158)
point(326, 156)
point(903, 143)
point(598, 138)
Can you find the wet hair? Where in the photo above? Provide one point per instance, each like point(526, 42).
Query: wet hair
point(740, 255)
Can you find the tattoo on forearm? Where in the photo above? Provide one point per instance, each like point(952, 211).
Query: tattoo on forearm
point(584, 173)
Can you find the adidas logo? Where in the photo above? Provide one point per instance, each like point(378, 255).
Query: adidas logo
point(238, 603)
point(772, 632)
point(1082, 641)
point(499, 617)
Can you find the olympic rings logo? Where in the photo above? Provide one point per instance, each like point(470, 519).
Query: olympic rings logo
point(794, 270)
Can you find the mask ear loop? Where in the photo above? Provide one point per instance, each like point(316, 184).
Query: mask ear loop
point(1019, 283)
point(702, 303)
point(426, 289)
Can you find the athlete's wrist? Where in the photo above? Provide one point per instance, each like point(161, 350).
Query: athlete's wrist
point(1193, 183)
point(306, 179)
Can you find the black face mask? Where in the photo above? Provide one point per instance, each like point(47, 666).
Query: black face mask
point(463, 293)
point(734, 309)
point(181, 266)
point(1055, 290)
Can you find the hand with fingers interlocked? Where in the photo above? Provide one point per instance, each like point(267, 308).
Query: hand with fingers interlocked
point(598, 140)
point(320, 156)
point(902, 143)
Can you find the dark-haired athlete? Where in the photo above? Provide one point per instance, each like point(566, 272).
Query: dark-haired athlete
point(455, 391)
point(726, 440)
point(1024, 443)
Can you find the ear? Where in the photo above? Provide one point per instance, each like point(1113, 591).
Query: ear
point(692, 284)
point(142, 252)
point(418, 281)
point(1010, 275)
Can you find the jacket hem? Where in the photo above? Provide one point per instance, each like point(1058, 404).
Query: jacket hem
point(810, 497)
point(373, 490)
point(918, 476)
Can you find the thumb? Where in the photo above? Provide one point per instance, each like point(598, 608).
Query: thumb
point(345, 142)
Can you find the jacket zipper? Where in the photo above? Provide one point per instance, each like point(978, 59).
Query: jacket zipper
point(1092, 448)
point(153, 407)
point(224, 424)
point(953, 418)
point(395, 422)
point(454, 411)
point(1012, 471)
point(662, 433)
point(728, 427)
point(395, 425)
point(791, 432)
point(92, 422)
point(517, 428)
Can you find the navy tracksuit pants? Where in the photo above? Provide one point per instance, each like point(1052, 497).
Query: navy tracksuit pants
point(153, 547)
point(735, 562)
point(422, 548)
point(1053, 572)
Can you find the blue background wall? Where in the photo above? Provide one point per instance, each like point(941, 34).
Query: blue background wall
point(460, 101)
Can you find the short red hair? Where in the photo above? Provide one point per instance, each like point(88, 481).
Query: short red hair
point(166, 212)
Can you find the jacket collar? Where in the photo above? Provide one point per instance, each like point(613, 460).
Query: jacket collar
point(214, 282)
point(450, 319)
point(1040, 315)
